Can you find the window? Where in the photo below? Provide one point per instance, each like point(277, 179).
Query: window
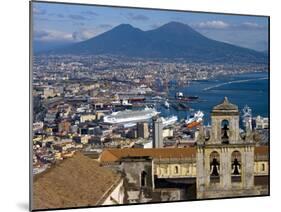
point(236, 166)
point(176, 169)
point(262, 167)
point(214, 167)
point(143, 178)
point(225, 132)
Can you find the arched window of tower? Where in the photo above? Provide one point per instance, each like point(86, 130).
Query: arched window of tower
point(225, 131)
point(236, 166)
point(214, 167)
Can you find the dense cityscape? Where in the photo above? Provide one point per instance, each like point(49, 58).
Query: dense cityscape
point(72, 94)
point(110, 104)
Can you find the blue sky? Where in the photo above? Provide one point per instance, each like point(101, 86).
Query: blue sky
point(64, 23)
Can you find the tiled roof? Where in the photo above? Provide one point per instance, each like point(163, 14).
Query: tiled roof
point(261, 150)
point(114, 155)
point(75, 182)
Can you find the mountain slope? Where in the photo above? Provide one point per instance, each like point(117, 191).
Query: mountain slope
point(172, 40)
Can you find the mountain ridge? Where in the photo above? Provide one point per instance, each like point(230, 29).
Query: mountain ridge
point(171, 40)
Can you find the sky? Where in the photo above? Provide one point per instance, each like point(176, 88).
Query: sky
point(55, 23)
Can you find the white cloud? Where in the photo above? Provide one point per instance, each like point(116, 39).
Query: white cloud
point(215, 24)
point(55, 35)
point(84, 34)
point(218, 24)
point(52, 35)
point(252, 25)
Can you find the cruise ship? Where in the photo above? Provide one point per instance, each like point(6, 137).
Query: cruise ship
point(130, 116)
point(169, 120)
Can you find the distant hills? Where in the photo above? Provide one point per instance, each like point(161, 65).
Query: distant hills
point(172, 40)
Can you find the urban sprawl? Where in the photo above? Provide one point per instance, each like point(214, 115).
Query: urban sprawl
point(95, 104)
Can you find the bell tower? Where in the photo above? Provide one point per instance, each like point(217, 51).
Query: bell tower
point(225, 162)
point(225, 123)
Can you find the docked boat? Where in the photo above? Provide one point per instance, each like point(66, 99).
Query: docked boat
point(130, 116)
point(121, 104)
point(194, 119)
point(180, 96)
point(192, 97)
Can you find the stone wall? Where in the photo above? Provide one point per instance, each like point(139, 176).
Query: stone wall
point(206, 188)
point(134, 168)
point(116, 197)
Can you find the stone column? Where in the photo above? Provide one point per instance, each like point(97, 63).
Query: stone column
point(200, 169)
point(225, 175)
point(248, 167)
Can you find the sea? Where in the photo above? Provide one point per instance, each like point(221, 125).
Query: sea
point(250, 89)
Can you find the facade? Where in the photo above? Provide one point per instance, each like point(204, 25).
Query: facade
point(150, 174)
point(261, 122)
point(225, 162)
point(168, 132)
point(87, 117)
point(143, 130)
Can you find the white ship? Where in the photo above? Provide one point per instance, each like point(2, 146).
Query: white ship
point(166, 104)
point(130, 116)
point(169, 121)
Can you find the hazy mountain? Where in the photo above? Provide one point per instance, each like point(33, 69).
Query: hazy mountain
point(172, 40)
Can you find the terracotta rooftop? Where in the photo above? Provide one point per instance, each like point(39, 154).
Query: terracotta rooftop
point(114, 155)
point(75, 182)
point(261, 150)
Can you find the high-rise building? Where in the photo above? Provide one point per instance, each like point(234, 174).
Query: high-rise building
point(157, 132)
point(142, 128)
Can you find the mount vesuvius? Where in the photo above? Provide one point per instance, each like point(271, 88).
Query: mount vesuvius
point(170, 41)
